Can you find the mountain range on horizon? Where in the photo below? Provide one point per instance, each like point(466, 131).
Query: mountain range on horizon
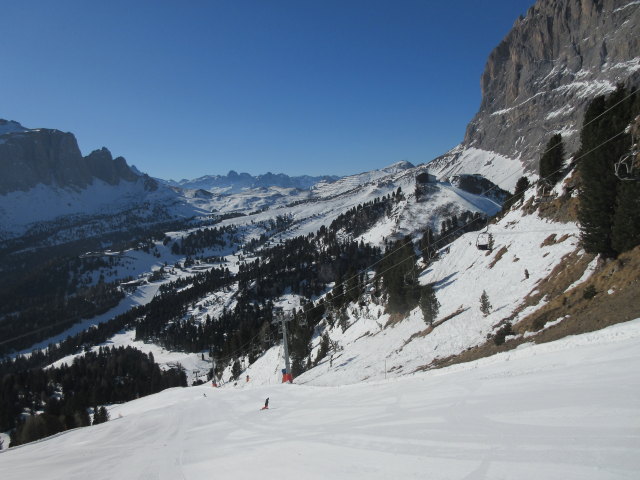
point(449, 317)
point(45, 167)
point(233, 181)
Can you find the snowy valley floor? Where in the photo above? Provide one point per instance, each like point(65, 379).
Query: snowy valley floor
point(563, 410)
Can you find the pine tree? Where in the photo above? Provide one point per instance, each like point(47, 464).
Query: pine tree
point(625, 232)
point(104, 413)
point(343, 320)
point(521, 186)
point(491, 242)
point(100, 415)
point(427, 244)
point(398, 276)
point(602, 144)
point(552, 160)
point(236, 370)
point(429, 304)
point(485, 305)
point(81, 418)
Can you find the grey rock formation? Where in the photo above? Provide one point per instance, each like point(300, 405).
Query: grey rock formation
point(540, 78)
point(103, 166)
point(479, 185)
point(51, 157)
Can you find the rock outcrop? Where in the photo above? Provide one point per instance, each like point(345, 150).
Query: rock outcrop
point(51, 157)
point(540, 78)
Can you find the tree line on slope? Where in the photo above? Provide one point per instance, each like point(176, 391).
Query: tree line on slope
point(609, 211)
point(609, 207)
point(36, 403)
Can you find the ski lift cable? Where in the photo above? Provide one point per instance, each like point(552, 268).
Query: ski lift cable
point(507, 177)
point(627, 168)
point(368, 268)
point(239, 350)
point(377, 275)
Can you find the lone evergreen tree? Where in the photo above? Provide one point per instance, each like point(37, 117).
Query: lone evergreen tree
point(485, 305)
point(552, 160)
point(398, 276)
point(236, 370)
point(491, 242)
point(521, 186)
point(429, 304)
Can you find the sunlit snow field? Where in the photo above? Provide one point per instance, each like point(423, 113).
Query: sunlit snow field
point(563, 410)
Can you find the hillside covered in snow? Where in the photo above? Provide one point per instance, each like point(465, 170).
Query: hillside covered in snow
point(472, 317)
point(555, 411)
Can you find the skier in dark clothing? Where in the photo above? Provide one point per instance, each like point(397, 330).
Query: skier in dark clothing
point(266, 404)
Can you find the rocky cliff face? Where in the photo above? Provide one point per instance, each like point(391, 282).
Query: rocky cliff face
point(51, 157)
point(540, 78)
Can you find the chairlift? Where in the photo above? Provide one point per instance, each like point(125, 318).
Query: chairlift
point(628, 167)
point(545, 192)
point(432, 253)
point(483, 240)
point(410, 276)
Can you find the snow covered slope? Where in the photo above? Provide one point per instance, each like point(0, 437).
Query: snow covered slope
point(311, 209)
point(373, 346)
point(502, 170)
point(561, 410)
point(45, 204)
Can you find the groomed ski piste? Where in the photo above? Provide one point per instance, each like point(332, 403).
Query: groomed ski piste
point(562, 410)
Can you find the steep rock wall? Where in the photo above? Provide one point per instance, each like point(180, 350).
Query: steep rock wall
point(540, 78)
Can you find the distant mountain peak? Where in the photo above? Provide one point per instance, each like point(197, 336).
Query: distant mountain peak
point(235, 182)
point(398, 166)
point(29, 157)
point(10, 126)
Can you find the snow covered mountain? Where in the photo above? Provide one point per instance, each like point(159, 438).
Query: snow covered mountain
point(48, 186)
point(234, 182)
point(538, 81)
point(203, 295)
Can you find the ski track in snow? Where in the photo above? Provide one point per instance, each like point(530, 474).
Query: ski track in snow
point(562, 410)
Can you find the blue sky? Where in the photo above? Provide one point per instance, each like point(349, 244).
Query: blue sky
point(184, 89)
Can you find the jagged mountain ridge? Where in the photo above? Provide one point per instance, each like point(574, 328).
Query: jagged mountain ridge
point(29, 157)
point(529, 250)
point(234, 182)
point(539, 80)
point(47, 186)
